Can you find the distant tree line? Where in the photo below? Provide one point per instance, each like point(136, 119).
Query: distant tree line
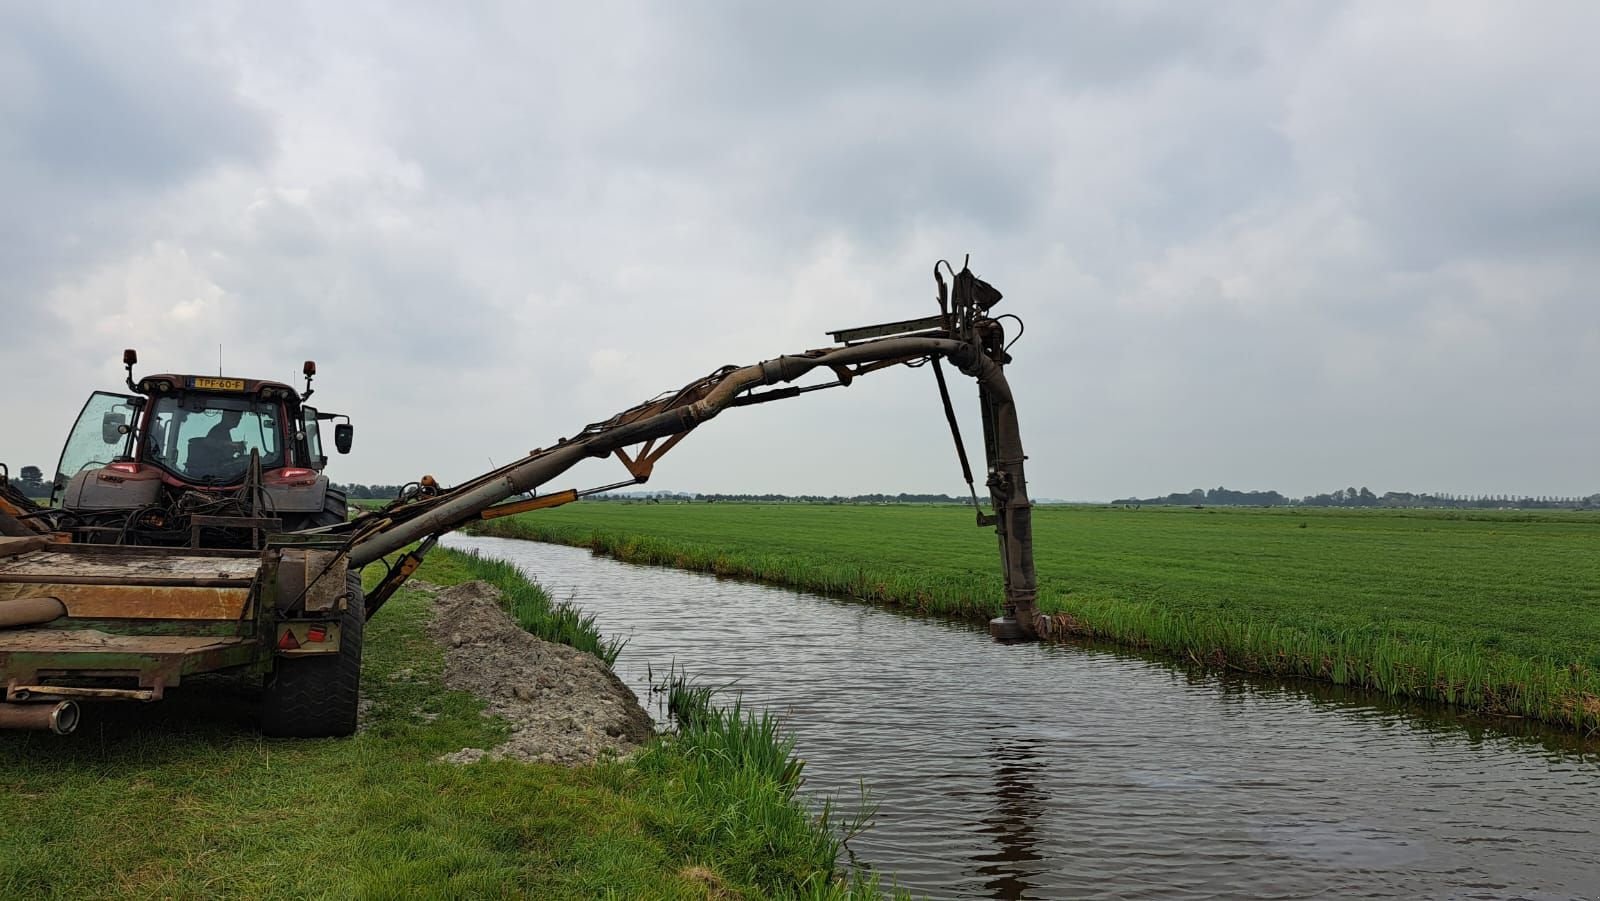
point(1363, 497)
point(30, 481)
point(1216, 496)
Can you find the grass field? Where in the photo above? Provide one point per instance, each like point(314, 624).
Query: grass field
point(185, 799)
point(1498, 612)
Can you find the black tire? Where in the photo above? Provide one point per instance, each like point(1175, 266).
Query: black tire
point(335, 510)
point(318, 697)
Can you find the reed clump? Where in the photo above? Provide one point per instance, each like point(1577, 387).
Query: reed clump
point(739, 776)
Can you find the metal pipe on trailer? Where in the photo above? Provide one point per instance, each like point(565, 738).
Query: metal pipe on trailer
point(30, 611)
point(60, 718)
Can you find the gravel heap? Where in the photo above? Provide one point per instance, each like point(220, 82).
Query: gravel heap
point(564, 706)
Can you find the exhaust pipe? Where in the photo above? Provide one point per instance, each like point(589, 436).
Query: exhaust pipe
point(60, 718)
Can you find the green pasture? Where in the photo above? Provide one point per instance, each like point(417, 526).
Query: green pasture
point(1496, 611)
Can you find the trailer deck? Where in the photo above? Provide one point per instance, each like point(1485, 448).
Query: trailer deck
point(137, 619)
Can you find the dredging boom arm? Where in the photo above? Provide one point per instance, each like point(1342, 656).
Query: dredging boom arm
point(962, 333)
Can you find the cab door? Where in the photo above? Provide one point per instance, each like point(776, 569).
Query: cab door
point(312, 435)
point(102, 434)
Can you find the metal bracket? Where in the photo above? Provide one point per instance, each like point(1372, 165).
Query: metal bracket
point(885, 329)
point(643, 461)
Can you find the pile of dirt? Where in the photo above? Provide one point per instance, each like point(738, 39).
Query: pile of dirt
point(564, 706)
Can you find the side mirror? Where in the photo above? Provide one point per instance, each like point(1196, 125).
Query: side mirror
point(113, 427)
point(342, 435)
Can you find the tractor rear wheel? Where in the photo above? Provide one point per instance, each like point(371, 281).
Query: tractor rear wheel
point(318, 696)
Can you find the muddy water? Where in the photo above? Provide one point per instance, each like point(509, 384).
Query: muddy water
point(1033, 771)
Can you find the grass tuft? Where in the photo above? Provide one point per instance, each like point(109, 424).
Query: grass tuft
point(739, 765)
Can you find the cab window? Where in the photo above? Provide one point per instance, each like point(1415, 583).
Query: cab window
point(208, 438)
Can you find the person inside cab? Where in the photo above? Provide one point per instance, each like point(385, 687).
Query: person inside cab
point(215, 451)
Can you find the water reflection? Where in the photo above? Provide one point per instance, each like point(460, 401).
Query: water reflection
point(1011, 823)
point(1453, 723)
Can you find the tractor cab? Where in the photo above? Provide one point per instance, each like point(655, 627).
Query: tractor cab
point(136, 465)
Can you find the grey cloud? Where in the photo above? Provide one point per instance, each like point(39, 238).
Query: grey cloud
point(401, 289)
point(795, 56)
point(1292, 247)
point(108, 100)
point(871, 118)
point(146, 117)
point(1470, 132)
point(105, 108)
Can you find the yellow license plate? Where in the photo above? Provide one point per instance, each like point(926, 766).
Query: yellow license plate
point(218, 384)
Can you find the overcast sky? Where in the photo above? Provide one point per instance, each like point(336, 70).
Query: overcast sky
point(1260, 245)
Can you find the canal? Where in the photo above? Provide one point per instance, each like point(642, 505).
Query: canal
point(1049, 771)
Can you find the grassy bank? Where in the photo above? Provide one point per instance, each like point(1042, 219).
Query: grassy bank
point(1496, 612)
point(185, 799)
point(527, 601)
